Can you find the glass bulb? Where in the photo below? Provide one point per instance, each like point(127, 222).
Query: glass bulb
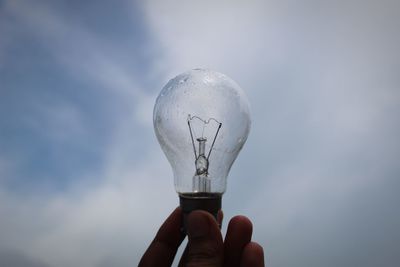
point(201, 120)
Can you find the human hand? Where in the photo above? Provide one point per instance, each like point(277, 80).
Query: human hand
point(205, 246)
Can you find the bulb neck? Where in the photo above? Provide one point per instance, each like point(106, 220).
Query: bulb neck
point(210, 202)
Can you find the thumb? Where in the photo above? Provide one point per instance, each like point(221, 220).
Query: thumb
point(205, 246)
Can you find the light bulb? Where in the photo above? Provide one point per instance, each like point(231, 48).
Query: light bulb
point(201, 120)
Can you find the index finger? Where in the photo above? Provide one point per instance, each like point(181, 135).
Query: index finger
point(162, 249)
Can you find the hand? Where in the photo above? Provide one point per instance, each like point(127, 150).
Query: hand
point(205, 246)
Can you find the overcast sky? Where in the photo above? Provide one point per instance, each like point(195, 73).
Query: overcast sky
point(83, 181)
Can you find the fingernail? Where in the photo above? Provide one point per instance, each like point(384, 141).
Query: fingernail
point(198, 224)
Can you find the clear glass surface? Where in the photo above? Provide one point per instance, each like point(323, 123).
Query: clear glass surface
point(201, 120)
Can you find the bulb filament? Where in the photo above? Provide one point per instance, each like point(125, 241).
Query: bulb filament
point(201, 181)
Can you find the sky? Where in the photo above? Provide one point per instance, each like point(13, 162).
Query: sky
point(83, 181)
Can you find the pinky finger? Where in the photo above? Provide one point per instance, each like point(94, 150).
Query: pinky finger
point(253, 255)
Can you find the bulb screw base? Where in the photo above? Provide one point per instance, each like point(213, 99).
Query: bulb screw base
point(210, 202)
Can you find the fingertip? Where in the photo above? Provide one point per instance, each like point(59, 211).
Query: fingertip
point(242, 220)
point(198, 224)
point(171, 225)
point(165, 243)
point(200, 213)
point(205, 246)
point(253, 255)
point(237, 237)
point(201, 223)
point(206, 214)
point(241, 224)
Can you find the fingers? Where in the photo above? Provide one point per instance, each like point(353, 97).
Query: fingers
point(237, 237)
point(253, 256)
point(205, 246)
point(162, 250)
point(182, 262)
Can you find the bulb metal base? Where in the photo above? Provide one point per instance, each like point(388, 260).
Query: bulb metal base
point(210, 202)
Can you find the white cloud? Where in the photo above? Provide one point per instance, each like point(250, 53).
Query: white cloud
point(83, 53)
point(213, 34)
point(103, 217)
point(92, 222)
point(323, 89)
point(324, 97)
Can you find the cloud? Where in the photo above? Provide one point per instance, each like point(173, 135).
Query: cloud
point(93, 52)
point(318, 175)
point(321, 81)
point(91, 223)
point(15, 259)
point(100, 208)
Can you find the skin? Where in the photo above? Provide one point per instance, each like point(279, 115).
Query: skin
point(206, 246)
